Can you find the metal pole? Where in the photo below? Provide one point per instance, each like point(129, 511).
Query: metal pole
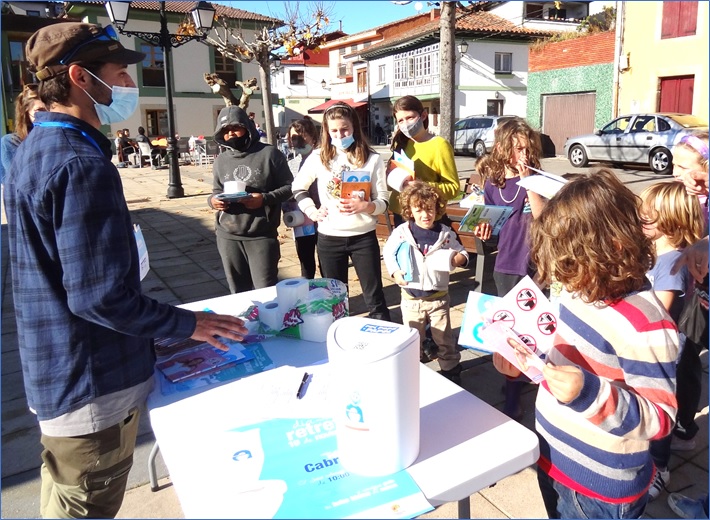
point(175, 189)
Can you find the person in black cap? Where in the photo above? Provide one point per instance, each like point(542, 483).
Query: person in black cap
point(84, 328)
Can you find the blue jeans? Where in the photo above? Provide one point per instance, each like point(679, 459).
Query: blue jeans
point(563, 502)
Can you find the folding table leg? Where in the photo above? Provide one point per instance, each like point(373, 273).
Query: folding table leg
point(151, 468)
point(465, 507)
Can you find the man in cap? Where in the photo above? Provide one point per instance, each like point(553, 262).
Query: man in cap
point(84, 327)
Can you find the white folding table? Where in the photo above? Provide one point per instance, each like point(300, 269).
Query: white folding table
point(465, 444)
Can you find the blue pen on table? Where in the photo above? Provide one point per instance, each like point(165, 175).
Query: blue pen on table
point(301, 387)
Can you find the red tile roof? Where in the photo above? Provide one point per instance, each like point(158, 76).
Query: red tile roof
point(186, 7)
point(480, 23)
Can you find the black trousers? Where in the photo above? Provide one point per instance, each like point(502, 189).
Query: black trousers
point(364, 251)
point(250, 264)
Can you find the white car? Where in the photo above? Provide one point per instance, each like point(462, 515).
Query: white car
point(636, 139)
point(474, 135)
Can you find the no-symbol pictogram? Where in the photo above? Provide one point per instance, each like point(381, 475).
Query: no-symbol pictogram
point(529, 341)
point(547, 323)
point(506, 317)
point(526, 300)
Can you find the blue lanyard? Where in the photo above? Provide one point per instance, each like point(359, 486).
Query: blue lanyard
point(62, 124)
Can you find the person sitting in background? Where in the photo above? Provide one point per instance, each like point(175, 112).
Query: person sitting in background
point(26, 104)
point(128, 145)
point(155, 153)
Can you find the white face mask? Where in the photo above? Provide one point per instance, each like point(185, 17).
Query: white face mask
point(124, 101)
point(411, 129)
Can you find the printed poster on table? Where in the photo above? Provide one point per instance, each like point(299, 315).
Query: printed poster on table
point(289, 468)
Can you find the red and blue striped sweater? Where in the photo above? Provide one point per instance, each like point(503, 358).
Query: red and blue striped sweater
point(598, 443)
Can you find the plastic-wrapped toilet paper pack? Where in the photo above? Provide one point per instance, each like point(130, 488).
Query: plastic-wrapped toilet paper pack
point(294, 218)
point(441, 260)
point(374, 394)
point(304, 310)
point(289, 292)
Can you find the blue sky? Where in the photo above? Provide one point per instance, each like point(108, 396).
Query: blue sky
point(356, 16)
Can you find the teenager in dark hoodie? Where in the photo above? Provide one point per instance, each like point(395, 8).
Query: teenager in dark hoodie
point(247, 229)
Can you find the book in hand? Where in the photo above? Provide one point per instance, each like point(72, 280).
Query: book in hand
point(200, 359)
point(356, 184)
point(496, 216)
point(405, 261)
point(543, 183)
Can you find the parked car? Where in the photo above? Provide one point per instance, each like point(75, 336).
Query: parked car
point(474, 134)
point(636, 139)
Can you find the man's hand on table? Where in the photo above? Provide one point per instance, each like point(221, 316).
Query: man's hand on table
point(210, 325)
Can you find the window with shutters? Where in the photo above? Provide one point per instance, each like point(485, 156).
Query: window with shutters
point(679, 19)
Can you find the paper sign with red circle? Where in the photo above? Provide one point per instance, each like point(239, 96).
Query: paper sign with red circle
point(529, 341)
point(526, 299)
point(506, 317)
point(547, 323)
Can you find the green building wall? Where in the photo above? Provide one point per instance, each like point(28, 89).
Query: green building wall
point(589, 78)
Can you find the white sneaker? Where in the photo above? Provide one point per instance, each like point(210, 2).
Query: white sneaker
point(660, 480)
point(678, 444)
point(686, 507)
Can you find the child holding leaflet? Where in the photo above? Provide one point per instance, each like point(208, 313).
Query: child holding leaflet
point(346, 226)
point(610, 375)
point(433, 156)
point(425, 298)
point(516, 147)
point(673, 221)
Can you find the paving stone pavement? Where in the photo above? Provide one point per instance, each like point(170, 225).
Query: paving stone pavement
point(185, 267)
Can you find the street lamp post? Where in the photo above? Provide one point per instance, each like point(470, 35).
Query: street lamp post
point(203, 16)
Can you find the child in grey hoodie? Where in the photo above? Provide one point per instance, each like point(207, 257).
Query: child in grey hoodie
point(247, 227)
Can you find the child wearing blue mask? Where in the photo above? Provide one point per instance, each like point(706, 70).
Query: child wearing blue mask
point(346, 224)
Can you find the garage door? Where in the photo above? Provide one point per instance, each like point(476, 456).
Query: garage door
point(567, 115)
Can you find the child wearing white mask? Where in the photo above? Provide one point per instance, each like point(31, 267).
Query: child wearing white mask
point(346, 226)
point(433, 155)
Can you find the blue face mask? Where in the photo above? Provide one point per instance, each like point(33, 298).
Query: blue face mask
point(124, 101)
point(344, 143)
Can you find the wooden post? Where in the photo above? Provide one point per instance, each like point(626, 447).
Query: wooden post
point(447, 70)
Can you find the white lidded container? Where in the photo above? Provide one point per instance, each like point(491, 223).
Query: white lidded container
point(374, 394)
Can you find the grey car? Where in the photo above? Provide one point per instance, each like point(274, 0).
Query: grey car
point(475, 134)
point(636, 139)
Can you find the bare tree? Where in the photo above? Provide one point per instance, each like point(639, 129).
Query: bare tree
point(267, 43)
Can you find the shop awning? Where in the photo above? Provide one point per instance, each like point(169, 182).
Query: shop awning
point(319, 109)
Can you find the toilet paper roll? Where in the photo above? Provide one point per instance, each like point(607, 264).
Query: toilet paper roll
point(396, 178)
point(234, 186)
point(293, 218)
point(289, 292)
point(271, 316)
point(441, 260)
point(315, 326)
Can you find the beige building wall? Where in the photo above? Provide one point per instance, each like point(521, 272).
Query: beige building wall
point(651, 58)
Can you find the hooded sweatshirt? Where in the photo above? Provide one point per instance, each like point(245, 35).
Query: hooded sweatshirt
point(262, 167)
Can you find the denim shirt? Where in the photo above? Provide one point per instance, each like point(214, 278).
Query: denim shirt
point(84, 328)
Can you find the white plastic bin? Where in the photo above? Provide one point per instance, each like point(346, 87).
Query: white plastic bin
point(375, 394)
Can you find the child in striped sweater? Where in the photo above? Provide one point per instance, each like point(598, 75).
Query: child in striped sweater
point(610, 376)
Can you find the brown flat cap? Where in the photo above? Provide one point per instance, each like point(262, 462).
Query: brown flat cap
point(52, 49)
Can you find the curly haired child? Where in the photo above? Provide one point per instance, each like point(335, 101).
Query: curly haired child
point(609, 383)
point(425, 288)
